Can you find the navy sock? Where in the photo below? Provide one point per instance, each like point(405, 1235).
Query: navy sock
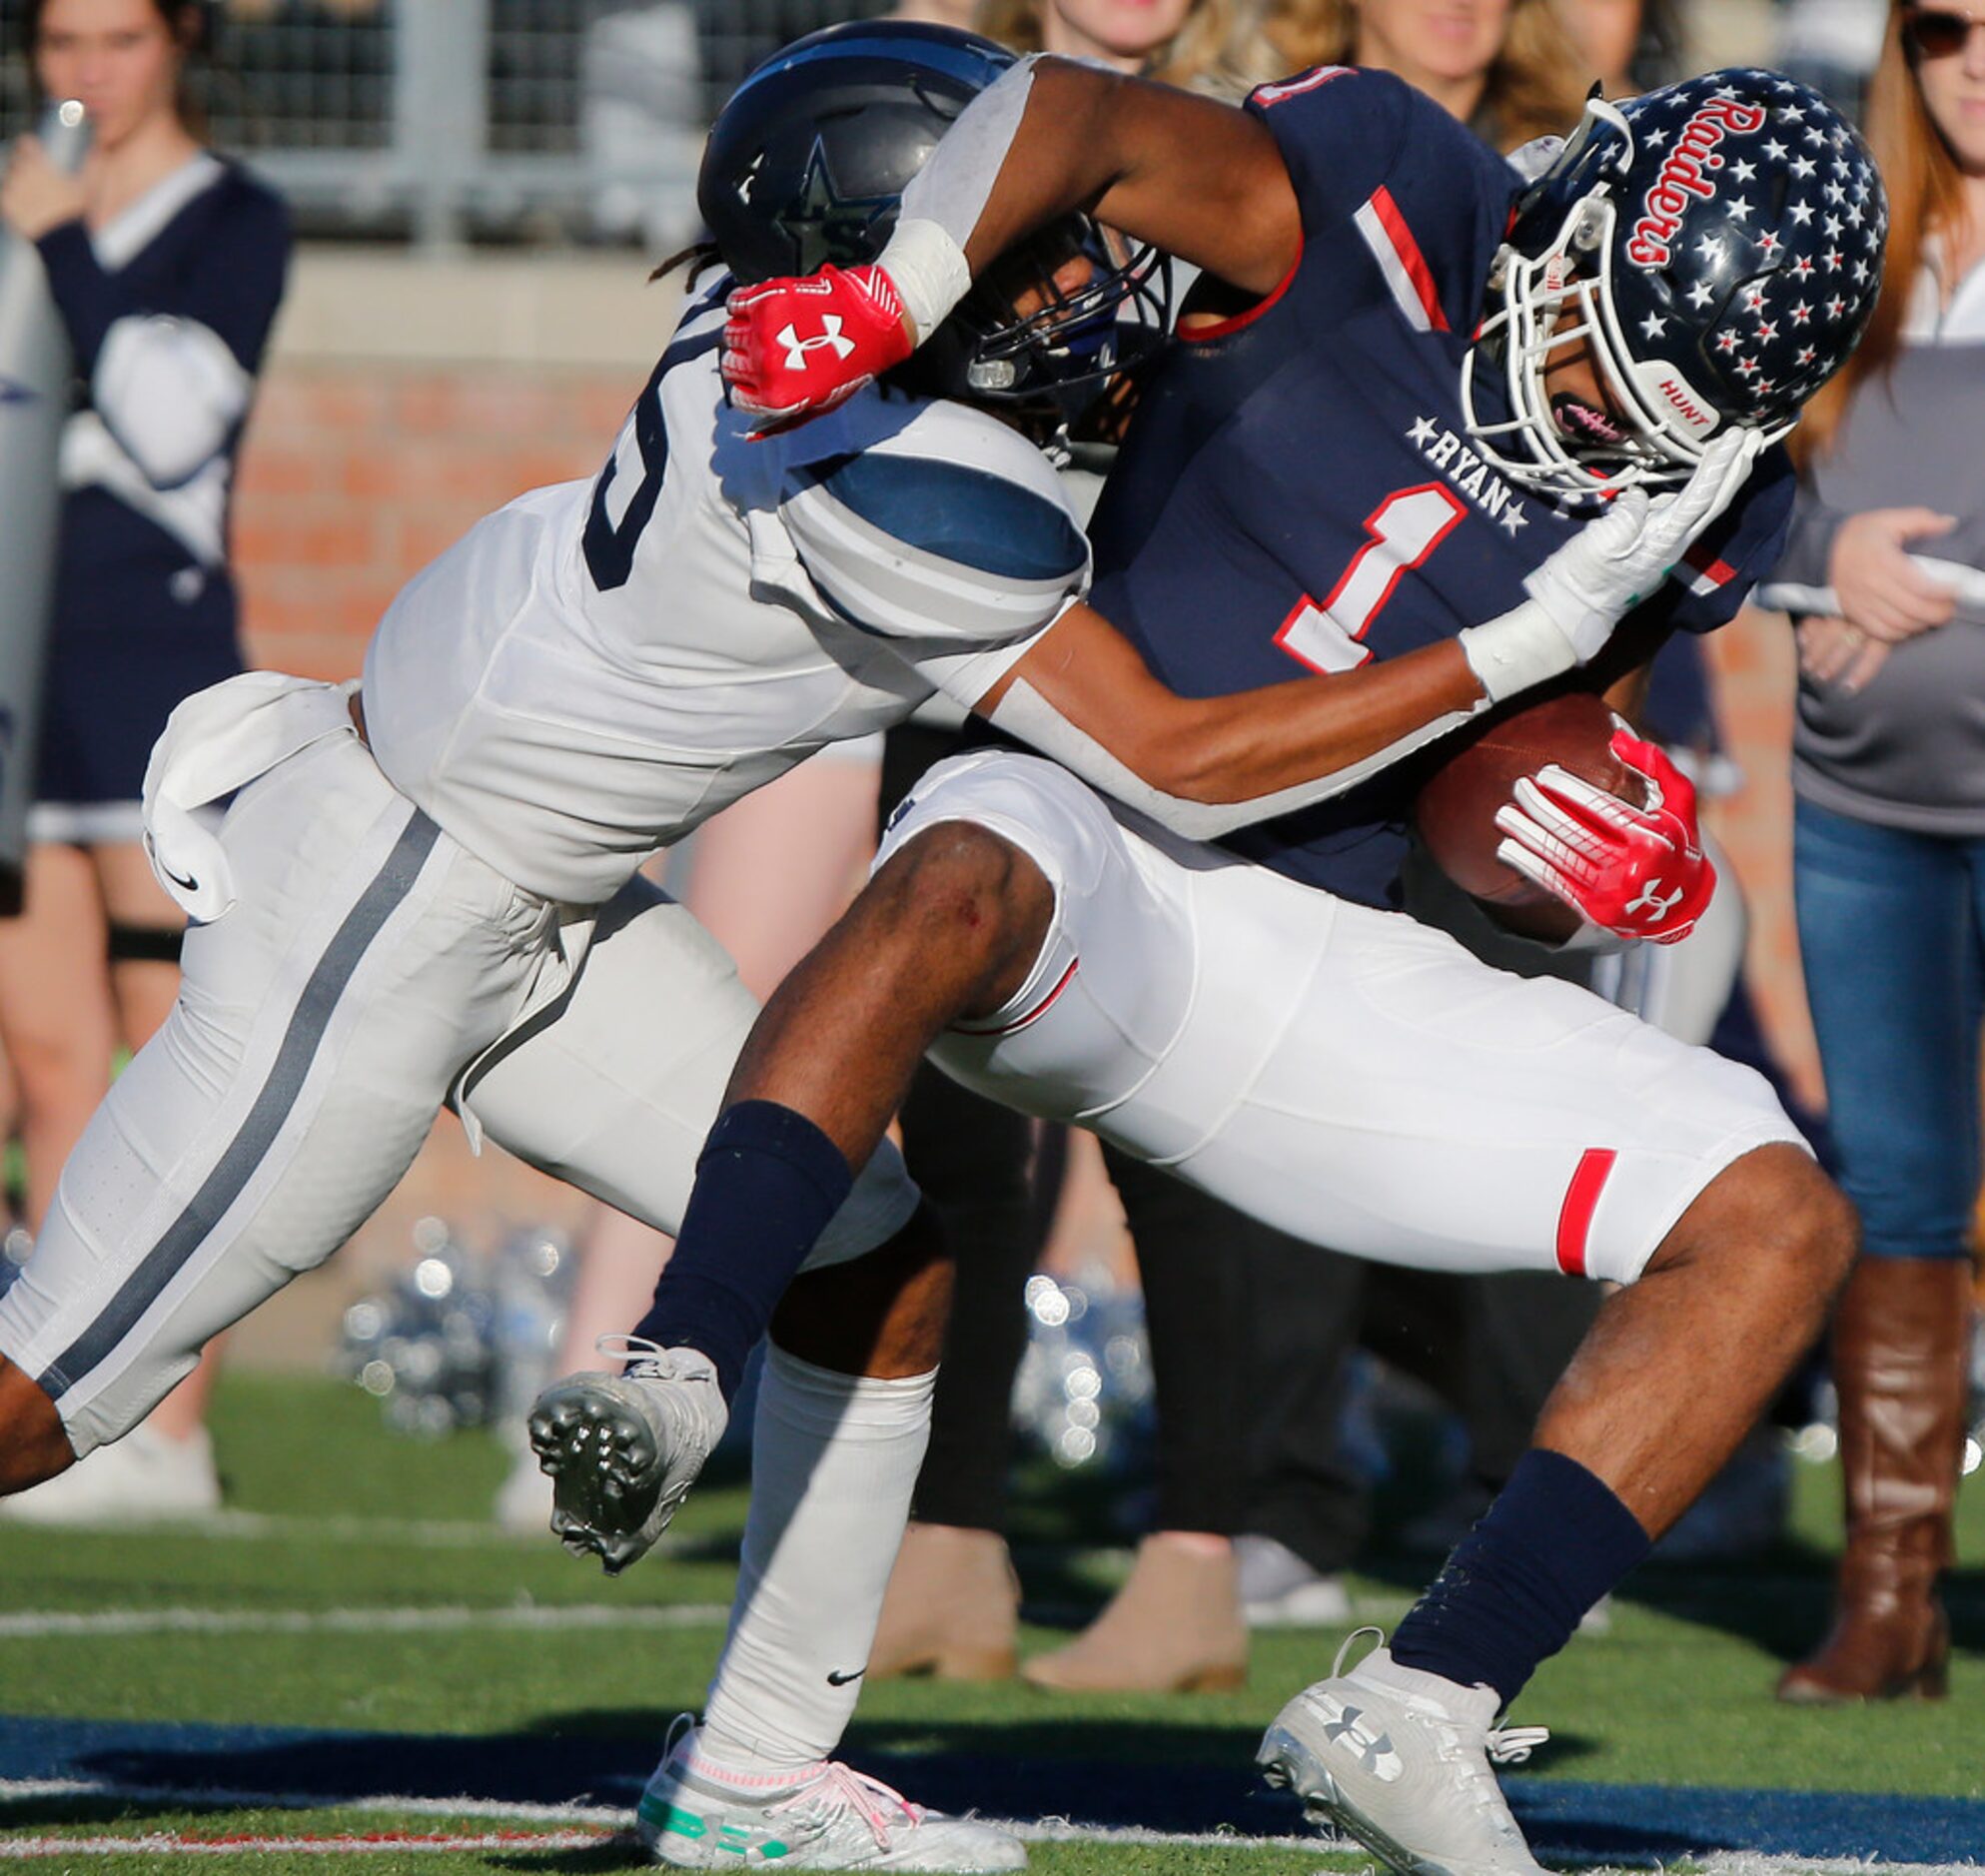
point(767, 1182)
point(1513, 1590)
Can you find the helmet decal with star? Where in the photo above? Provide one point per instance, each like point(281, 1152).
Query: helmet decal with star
point(1724, 242)
point(821, 222)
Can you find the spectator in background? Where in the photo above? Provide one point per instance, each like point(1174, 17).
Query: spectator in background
point(1832, 45)
point(1204, 45)
point(166, 264)
point(1628, 46)
point(1503, 67)
point(1889, 842)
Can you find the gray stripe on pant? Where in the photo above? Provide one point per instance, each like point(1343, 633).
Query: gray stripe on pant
point(239, 1160)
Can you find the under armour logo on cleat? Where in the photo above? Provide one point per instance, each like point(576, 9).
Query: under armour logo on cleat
point(1652, 900)
point(1374, 1751)
point(829, 335)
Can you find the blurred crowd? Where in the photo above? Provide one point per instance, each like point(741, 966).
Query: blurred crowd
point(1261, 1351)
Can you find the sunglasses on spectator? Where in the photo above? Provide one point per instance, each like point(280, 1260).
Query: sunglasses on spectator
point(1937, 32)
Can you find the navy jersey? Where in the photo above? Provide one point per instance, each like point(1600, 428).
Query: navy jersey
point(1297, 492)
point(168, 308)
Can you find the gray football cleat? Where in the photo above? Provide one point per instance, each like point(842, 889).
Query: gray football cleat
point(1400, 1759)
point(622, 1451)
point(697, 1815)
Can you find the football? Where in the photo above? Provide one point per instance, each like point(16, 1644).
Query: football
point(1455, 811)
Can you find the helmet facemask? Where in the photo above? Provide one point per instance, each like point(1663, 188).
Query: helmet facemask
point(1051, 363)
point(1557, 290)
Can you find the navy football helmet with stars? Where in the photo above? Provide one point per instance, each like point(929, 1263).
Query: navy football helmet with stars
point(807, 164)
point(1717, 247)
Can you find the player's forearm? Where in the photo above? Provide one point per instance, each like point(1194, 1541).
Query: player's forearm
point(1204, 767)
point(1334, 730)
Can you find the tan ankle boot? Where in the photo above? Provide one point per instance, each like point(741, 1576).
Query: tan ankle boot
point(1900, 1343)
point(952, 1608)
point(1174, 1628)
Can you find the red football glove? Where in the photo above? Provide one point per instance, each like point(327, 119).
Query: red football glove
point(1637, 870)
point(794, 348)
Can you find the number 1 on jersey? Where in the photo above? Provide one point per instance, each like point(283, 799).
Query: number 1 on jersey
point(1403, 530)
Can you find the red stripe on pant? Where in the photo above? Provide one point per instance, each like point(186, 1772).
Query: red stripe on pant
point(1582, 1200)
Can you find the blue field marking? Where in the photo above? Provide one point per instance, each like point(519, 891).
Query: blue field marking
point(1566, 1821)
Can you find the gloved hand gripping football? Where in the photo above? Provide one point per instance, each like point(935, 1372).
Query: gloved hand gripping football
point(1636, 868)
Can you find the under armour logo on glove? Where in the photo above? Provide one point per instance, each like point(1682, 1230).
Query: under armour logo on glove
point(828, 336)
point(1636, 868)
point(795, 348)
point(1651, 899)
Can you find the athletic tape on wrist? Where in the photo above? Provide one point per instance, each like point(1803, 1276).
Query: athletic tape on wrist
point(1514, 653)
point(928, 270)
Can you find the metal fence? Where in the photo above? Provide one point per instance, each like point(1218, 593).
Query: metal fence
point(447, 120)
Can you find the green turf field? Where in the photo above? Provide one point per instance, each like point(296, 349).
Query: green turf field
point(350, 1591)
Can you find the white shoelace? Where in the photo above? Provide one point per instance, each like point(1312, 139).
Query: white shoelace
point(630, 1348)
point(1512, 1746)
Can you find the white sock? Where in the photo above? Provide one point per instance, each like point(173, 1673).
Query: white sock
point(834, 1459)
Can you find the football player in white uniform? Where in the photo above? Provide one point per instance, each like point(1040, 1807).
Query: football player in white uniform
point(422, 891)
point(1250, 1013)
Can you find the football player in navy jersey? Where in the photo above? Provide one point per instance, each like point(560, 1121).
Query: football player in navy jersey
point(1405, 380)
point(422, 890)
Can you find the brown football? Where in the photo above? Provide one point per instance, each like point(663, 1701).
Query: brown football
point(1455, 808)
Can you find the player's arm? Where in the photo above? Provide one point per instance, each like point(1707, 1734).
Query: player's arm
point(1204, 180)
point(1201, 180)
point(1204, 766)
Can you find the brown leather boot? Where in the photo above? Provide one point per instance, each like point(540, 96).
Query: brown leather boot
point(1174, 1628)
point(1900, 1342)
point(952, 1608)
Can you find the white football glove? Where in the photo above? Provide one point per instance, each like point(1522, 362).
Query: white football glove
point(1579, 595)
point(1605, 570)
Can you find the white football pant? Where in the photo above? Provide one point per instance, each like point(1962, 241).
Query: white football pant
point(1344, 1074)
point(371, 970)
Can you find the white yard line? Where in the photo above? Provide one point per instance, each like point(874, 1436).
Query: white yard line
point(420, 1533)
point(585, 1825)
point(30, 1625)
point(497, 1810)
point(163, 1844)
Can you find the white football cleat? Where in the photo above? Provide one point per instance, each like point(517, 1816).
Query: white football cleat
point(145, 1476)
point(1398, 1759)
point(698, 1815)
point(623, 1450)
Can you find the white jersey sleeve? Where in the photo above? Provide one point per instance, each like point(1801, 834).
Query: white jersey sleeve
point(946, 535)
